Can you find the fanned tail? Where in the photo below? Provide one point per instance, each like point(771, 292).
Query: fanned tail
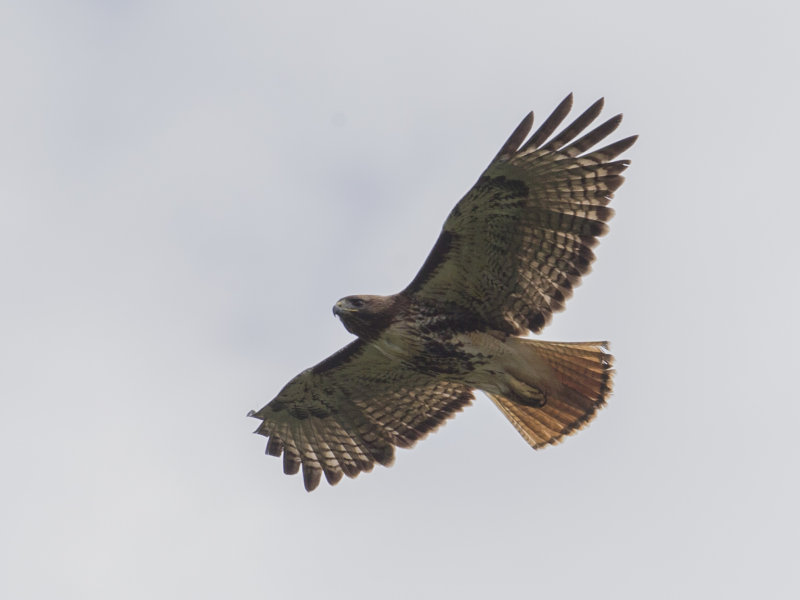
point(583, 373)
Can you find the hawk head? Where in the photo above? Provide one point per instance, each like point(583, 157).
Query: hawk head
point(366, 316)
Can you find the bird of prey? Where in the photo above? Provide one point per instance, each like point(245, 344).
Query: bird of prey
point(508, 256)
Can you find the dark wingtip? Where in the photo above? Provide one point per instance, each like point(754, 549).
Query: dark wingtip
point(611, 151)
point(630, 141)
point(624, 144)
point(590, 139)
point(291, 462)
point(311, 477)
point(333, 477)
point(565, 105)
point(516, 138)
point(577, 126)
point(550, 123)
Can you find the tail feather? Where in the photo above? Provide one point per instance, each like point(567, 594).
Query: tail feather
point(583, 372)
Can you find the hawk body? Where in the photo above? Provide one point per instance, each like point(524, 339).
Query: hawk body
point(508, 256)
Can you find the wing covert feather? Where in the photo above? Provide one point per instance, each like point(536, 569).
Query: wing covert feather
point(351, 410)
point(512, 250)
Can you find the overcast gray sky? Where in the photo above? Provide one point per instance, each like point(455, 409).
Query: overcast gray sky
point(186, 189)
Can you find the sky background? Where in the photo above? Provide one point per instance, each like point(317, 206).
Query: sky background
point(186, 188)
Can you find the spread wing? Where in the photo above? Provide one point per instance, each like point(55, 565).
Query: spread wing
point(350, 411)
point(513, 248)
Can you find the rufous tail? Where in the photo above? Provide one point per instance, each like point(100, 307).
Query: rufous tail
point(584, 374)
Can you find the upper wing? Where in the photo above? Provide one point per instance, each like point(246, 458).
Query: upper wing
point(512, 249)
point(349, 411)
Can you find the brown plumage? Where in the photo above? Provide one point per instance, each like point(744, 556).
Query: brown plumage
point(509, 255)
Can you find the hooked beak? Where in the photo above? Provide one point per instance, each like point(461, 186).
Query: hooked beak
point(338, 309)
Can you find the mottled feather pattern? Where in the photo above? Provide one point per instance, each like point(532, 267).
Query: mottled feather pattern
point(522, 237)
point(378, 405)
point(509, 256)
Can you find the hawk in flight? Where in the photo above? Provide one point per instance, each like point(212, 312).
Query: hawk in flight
point(508, 256)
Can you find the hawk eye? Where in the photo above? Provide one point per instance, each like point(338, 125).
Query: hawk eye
point(356, 302)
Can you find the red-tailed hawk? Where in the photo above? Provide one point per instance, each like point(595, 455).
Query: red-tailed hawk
point(509, 254)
